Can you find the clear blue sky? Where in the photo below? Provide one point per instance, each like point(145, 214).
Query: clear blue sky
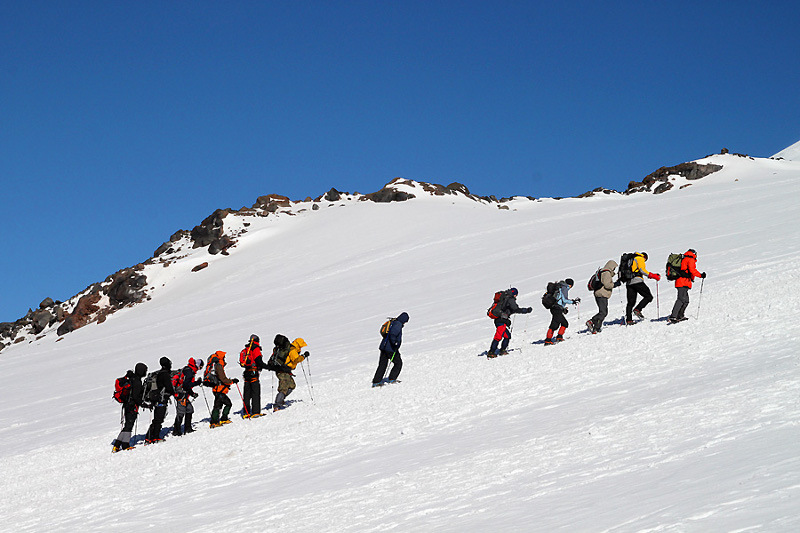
point(122, 122)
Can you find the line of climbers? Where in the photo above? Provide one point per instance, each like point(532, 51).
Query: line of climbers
point(139, 390)
point(680, 268)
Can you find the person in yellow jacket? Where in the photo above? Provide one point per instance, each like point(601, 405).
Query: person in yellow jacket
point(637, 287)
point(285, 358)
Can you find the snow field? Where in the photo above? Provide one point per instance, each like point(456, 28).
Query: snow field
point(691, 427)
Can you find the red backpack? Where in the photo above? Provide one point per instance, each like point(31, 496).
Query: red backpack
point(494, 311)
point(177, 384)
point(122, 389)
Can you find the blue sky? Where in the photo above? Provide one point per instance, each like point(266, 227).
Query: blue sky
point(122, 122)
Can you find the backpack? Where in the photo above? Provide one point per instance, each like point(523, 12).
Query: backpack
point(122, 389)
point(494, 311)
point(245, 357)
point(385, 327)
point(674, 270)
point(177, 384)
point(210, 378)
point(151, 392)
point(549, 297)
point(626, 267)
point(279, 352)
point(594, 282)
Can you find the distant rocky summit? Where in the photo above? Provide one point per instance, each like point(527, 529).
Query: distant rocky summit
point(129, 286)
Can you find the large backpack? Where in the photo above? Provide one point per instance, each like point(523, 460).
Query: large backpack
point(499, 299)
point(594, 282)
point(279, 352)
point(246, 356)
point(210, 378)
point(151, 393)
point(674, 270)
point(385, 327)
point(122, 389)
point(626, 267)
point(549, 297)
point(177, 384)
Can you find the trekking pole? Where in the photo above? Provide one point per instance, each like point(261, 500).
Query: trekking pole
point(658, 305)
point(202, 388)
point(244, 407)
point(308, 383)
point(700, 300)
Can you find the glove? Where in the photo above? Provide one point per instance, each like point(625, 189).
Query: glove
point(195, 395)
point(617, 283)
point(656, 277)
point(703, 275)
point(528, 310)
point(576, 300)
point(235, 380)
point(306, 355)
point(565, 310)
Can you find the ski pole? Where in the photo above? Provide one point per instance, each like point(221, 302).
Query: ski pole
point(310, 381)
point(308, 384)
point(658, 305)
point(203, 388)
point(700, 300)
point(247, 412)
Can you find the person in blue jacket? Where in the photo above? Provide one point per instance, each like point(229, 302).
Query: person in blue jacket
point(390, 351)
point(558, 310)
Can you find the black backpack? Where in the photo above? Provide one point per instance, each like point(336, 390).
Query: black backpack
point(497, 304)
point(279, 352)
point(594, 282)
point(549, 297)
point(626, 267)
point(152, 393)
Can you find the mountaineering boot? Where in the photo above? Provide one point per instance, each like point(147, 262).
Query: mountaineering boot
point(590, 326)
point(638, 313)
point(549, 341)
point(503, 352)
point(491, 355)
point(176, 430)
point(559, 338)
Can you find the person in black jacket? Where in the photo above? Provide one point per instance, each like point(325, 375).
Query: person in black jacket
point(131, 407)
point(252, 361)
point(160, 403)
point(390, 351)
point(507, 307)
point(183, 397)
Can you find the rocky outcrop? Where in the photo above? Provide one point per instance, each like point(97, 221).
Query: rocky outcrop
point(82, 314)
point(690, 171)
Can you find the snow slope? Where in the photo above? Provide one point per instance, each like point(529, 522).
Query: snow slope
point(691, 427)
point(792, 153)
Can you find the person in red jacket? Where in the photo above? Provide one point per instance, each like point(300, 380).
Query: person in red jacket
point(251, 359)
point(684, 283)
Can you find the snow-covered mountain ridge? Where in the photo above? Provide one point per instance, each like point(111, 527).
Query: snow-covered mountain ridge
point(691, 427)
point(221, 230)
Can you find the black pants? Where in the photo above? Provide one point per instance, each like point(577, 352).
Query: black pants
point(558, 320)
point(602, 312)
point(221, 401)
point(159, 414)
point(130, 412)
point(681, 303)
point(383, 362)
point(634, 290)
point(252, 397)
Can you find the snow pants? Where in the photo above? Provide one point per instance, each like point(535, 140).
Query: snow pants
point(634, 290)
point(681, 303)
point(602, 312)
point(221, 401)
point(383, 362)
point(252, 397)
point(159, 414)
point(558, 320)
point(286, 385)
point(130, 412)
point(503, 333)
point(183, 417)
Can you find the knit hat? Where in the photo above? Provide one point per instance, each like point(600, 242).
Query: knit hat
point(165, 363)
point(570, 282)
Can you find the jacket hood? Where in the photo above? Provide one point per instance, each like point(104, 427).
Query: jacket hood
point(611, 265)
point(299, 344)
point(220, 354)
point(403, 318)
point(165, 363)
point(690, 253)
point(141, 370)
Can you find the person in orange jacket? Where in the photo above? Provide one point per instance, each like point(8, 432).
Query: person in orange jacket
point(637, 287)
point(684, 282)
point(222, 384)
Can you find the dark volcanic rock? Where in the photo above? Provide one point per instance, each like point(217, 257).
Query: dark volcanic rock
point(460, 187)
point(82, 313)
point(47, 302)
point(199, 267)
point(126, 288)
point(40, 320)
point(387, 194)
point(333, 195)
